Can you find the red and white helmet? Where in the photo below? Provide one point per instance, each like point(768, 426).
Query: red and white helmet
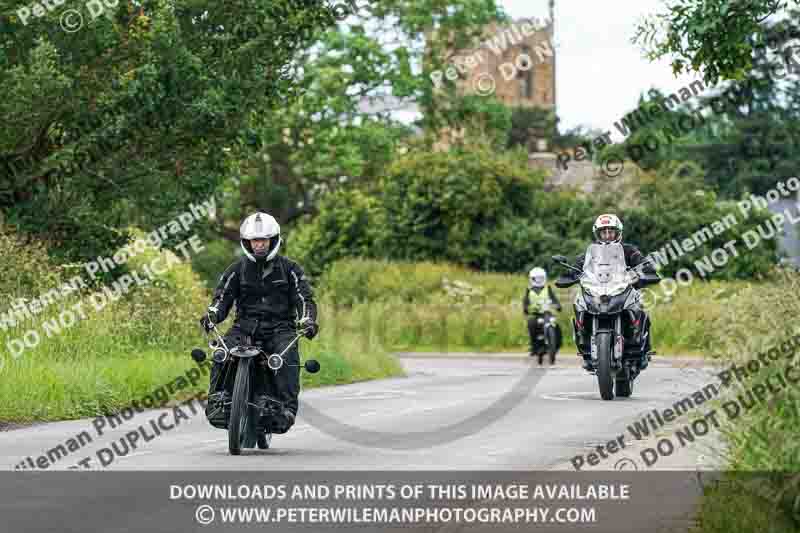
point(607, 221)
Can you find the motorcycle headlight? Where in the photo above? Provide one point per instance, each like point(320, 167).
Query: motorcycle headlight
point(593, 290)
point(606, 290)
point(220, 355)
point(619, 288)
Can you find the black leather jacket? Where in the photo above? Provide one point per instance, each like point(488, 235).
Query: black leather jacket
point(268, 296)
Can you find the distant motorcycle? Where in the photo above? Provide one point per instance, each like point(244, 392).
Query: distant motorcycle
point(607, 301)
point(548, 335)
point(236, 409)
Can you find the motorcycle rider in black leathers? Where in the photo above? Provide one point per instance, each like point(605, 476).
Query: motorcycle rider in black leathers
point(272, 299)
point(608, 229)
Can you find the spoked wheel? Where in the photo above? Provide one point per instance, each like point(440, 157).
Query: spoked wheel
point(240, 420)
point(605, 377)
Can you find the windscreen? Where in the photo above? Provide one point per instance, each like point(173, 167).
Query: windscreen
point(605, 263)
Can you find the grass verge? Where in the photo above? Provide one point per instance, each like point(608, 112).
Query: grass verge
point(125, 348)
point(764, 438)
point(441, 307)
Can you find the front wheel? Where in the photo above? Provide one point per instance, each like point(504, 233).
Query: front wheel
point(605, 377)
point(240, 420)
point(552, 343)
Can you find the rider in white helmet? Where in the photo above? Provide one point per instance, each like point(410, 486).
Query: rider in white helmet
point(607, 229)
point(536, 305)
point(272, 298)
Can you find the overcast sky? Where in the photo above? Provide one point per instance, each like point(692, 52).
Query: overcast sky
point(599, 72)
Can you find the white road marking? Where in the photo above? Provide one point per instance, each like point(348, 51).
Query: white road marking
point(561, 396)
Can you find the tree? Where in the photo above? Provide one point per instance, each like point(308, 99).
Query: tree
point(126, 120)
point(715, 37)
point(331, 139)
point(754, 145)
point(325, 140)
point(529, 124)
point(745, 136)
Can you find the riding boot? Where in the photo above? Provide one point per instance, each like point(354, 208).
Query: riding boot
point(646, 354)
point(219, 400)
point(260, 400)
point(532, 335)
point(290, 417)
point(286, 383)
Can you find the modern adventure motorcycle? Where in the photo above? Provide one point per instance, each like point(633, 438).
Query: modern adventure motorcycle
point(547, 338)
point(609, 315)
point(236, 409)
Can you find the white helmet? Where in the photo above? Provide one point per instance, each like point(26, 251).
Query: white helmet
point(607, 221)
point(260, 226)
point(537, 277)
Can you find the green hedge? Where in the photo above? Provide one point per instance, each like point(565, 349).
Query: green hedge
point(490, 212)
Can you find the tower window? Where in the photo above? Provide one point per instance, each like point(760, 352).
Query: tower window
point(526, 76)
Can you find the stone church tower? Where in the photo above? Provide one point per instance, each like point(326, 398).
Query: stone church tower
point(515, 62)
point(522, 68)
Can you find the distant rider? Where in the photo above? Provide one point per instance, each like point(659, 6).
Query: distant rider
point(539, 297)
point(272, 298)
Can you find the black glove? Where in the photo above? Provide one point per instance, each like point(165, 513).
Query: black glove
point(310, 329)
point(209, 320)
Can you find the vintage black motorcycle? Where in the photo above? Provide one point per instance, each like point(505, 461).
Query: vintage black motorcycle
point(249, 423)
point(607, 308)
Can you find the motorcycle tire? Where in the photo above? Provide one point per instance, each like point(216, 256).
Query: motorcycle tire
point(241, 417)
point(605, 376)
point(552, 344)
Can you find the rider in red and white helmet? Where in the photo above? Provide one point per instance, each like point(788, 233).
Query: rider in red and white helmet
point(607, 229)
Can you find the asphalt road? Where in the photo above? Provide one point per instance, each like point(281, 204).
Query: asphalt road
point(542, 427)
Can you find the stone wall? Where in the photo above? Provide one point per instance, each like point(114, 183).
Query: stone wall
point(585, 176)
